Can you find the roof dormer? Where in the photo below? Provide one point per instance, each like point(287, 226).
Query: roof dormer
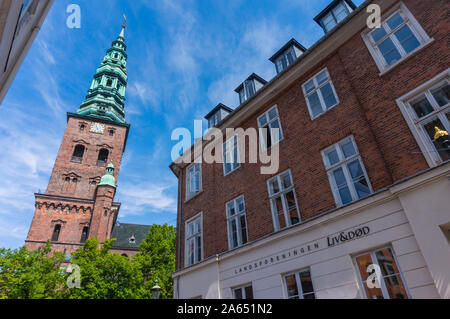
point(287, 54)
point(334, 13)
point(217, 114)
point(249, 87)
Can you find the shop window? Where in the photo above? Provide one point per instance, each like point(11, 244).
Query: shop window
point(299, 285)
point(380, 276)
point(244, 292)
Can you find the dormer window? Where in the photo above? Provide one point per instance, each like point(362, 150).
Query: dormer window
point(336, 11)
point(217, 115)
point(249, 87)
point(287, 55)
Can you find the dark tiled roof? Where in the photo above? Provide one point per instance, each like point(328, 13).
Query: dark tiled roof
point(123, 232)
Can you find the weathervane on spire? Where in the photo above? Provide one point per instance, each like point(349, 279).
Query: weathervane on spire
point(124, 25)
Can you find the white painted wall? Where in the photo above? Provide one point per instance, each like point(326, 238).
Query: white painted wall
point(428, 207)
point(410, 225)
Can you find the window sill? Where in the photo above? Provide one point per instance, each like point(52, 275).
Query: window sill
point(193, 196)
point(401, 61)
point(319, 115)
point(231, 172)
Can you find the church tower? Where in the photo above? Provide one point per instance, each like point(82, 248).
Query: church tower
point(79, 200)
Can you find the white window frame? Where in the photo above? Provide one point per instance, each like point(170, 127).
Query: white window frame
point(224, 154)
point(319, 93)
point(413, 24)
point(197, 259)
point(299, 284)
point(237, 217)
point(242, 288)
point(268, 124)
point(343, 164)
point(189, 192)
point(375, 262)
point(426, 146)
point(282, 192)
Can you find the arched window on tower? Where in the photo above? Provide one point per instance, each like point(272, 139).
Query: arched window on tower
point(56, 232)
point(78, 154)
point(84, 234)
point(102, 157)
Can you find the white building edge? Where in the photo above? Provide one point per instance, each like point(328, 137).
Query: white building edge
point(20, 22)
point(412, 217)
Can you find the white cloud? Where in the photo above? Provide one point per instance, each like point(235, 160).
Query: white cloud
point(259, 41)
point(145, 198)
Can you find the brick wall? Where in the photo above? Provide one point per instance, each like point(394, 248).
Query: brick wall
point(367, 110)
point(88, 169)
point(77, 205)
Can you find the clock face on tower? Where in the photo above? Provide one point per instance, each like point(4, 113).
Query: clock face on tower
point(97, 128)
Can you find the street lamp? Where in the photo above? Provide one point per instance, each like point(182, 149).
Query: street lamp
point(156, 290)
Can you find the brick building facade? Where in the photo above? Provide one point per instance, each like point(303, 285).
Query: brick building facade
point(382, 96)
point(79, 200)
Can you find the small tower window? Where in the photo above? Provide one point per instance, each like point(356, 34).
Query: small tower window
point(102, 157)
point(78, 154)
point(56, 232)
point(82, 127)
point(111, 132)
point(109, 82)
point(84, 234)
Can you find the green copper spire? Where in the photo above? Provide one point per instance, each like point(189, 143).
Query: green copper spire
point(108, 178)
point(106, 96)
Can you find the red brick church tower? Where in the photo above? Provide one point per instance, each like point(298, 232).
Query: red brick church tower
point(79, 200)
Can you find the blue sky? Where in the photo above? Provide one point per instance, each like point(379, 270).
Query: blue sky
point(184, 57)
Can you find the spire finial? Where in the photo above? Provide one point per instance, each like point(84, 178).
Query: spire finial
point(124, 25)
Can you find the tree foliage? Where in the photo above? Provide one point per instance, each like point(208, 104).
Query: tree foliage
point(103, 274)
point(31, 274)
